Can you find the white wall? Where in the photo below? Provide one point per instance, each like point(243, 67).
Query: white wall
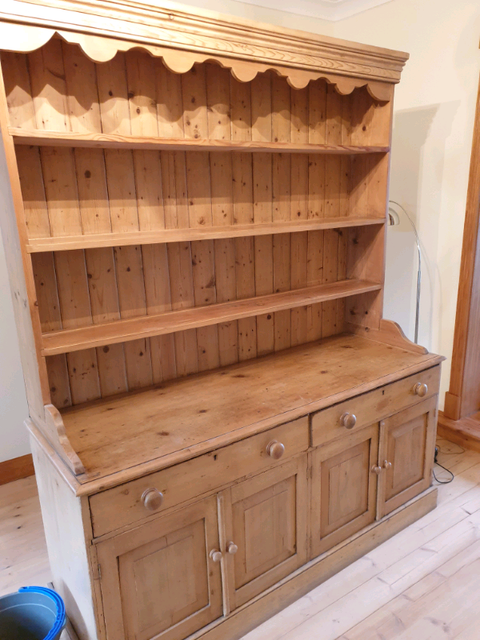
point(432, 139)
point(433, 123)
point(259, 14)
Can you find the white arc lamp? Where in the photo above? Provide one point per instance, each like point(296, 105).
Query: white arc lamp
point(393, 220)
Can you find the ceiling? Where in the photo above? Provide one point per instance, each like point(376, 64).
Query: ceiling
point(323, 9)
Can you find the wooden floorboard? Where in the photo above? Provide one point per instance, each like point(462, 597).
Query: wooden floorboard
point(422, 584)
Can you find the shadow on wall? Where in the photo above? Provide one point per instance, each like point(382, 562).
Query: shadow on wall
point(417, 175)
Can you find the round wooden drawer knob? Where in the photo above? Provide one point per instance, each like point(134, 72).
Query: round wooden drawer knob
point(152, 499)
point(376, 469)
point(275, 449)
point(348, 420)
point(387, 465)
point(420, 389)
point(232, 548)
point(216, 555)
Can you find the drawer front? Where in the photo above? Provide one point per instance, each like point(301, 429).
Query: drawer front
point(124, 505)
point(373, 406)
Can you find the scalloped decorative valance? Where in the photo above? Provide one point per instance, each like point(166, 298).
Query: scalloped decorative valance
point(182, 38)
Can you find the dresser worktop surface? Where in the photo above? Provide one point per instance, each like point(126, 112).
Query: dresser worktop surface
point(125, 437)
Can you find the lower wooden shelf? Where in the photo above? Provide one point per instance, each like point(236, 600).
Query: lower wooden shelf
point(66, 341)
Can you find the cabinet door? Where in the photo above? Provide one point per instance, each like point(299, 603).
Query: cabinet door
point(158, 581)
point(343, 488)
point(407, 444)
point(265, 520)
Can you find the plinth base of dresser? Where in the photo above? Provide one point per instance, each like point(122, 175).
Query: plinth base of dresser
point(246, 618)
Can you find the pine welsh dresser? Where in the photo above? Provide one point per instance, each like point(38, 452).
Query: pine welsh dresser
point(220, 417)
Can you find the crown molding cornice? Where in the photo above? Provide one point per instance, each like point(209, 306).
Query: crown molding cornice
point(183, 36)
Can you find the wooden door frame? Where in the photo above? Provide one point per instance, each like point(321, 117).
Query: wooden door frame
point(460, 419)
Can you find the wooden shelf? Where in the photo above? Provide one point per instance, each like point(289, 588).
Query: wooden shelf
point(66, 341)
point(68, 243)
point(115, 141)
point(180, 419)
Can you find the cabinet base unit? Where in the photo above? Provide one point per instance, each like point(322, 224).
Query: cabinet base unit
point(176, 575)
point(260, 488)
point(220, 416)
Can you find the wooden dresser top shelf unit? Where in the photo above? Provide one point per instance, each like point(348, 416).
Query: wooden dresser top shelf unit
point(122, 438)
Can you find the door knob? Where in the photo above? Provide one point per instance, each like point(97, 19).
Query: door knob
point(420, 389)
point(376, 469)
point(216, 555)
point(152, 499)
point(387, 465)
point(348, 420)
point(275, 449)
point(232, 548)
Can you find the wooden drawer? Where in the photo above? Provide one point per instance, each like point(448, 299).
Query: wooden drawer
point(373, 406)
point(123, 505)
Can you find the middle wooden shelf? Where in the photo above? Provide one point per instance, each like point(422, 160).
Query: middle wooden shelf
point(97, 335)
point(160, 236)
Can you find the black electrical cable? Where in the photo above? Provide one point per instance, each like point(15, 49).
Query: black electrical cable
point(445, 469)
point(437, 451)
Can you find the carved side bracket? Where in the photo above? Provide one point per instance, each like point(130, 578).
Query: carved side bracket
point(390, 333)
point(58, 437)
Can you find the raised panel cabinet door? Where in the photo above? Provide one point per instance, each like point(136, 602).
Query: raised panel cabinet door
point(343, 488)
point(159, 581)
point(265, 529)
point(407, 446)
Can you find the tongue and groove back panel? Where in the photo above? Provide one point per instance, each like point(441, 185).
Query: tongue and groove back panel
point(86, 191)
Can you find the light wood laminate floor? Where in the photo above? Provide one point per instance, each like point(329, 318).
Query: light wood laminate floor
point(422, 584)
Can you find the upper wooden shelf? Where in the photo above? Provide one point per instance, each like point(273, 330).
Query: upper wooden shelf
point(68, 243)
point(69, 340)
point(115, 141)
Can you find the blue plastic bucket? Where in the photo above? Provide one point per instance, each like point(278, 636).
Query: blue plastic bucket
point(34, 613)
